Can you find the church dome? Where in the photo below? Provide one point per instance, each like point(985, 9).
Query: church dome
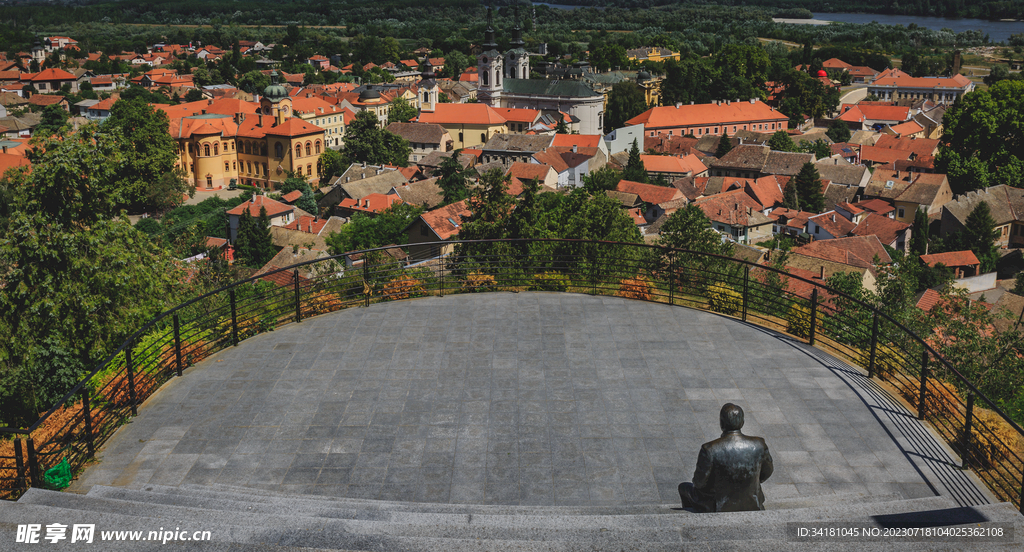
point(643, 76)
point(822, 73)
point(369, 95)
point(275, 91)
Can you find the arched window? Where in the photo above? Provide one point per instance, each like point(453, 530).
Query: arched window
point(250, 167)
point(190, 148)
point(215, 149)
point(484, 77)
point(265, 171)
point(248, 147)
point(298, 150)
point(316, 145)
point(206, 150)
point(497, 79)
point(483, 137)
point(426, 97)
point(309, 170)
point(309, 149)
point(278, 150)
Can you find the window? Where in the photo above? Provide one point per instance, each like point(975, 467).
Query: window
point(190, 147)
point(309, 149)
point(900, 212)
point(460, 136)
point(227, 167)
point(206, 150)
point(232, 146)
point(209, 181)
point(317, 147)
point(278, 150)
point(483, 136)
point(816, 228)
point(215, 152)
point(265, 171)
point(309, 170)
point(249, 166)
point(298, 150)
point(233, 166)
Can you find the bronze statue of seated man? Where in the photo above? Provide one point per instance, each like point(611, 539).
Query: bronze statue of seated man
point(730, 470)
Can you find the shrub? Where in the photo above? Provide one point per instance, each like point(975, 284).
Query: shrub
point(402, 287)
point(550, 281)
point(478, 281)
point(635, 288)
point(799, 320)
point(724, 299)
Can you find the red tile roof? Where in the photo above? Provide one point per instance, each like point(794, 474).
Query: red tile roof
point(253, 206)
point(766, 191)
point(833, 223)
point(878, 206)
point(519, 115)
point(50, 74)
point(372, 203)
point(293, 126)
point(876, 154)
point(465, 114)
point(669, 164)
point(292, 196)
point(920, 146)
point(706, 114)
point(307, 224)
point(928, 300)
point(10, 161)
point(951, 258)
point(529, 171)
point(909, 127)
point(734, 208)
point(859, 251)
point(580, 140)
point(445, 221)
point(884, 227)
point(649, 193)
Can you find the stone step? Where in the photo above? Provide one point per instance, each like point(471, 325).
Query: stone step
point(701, 530)
point(260, 495)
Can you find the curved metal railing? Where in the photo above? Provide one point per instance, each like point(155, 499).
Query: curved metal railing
point(986, 439)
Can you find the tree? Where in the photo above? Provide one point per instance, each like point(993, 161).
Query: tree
point(687, 81)
point(76, 281)
point(790, 196)
point(306, 202)
point(605, 178)
point(149, 150)
point(1018, 283)
point(724, 145)
point(332, 164)
point(52, 121)
point(625, 101)
point(919, 233)
point(253, 82)
point(453, 178)
point(982, 142)
point(561, 127)
point(780, 141)
point(365, 142)
point(366, 232)
point(254, 247)
point(808, 186)
point(194, 95)
point(689, 228)
point(635, 170)
point(979, 236)
point(838, 131)
point(819, 148)
point(490, 205)
point(401, 111)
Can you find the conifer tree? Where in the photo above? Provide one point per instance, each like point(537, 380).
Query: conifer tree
point(254, 246)
point(790, 196)
point(980, 235)
point(724, 145)
point(808, 186)
point(635, 170)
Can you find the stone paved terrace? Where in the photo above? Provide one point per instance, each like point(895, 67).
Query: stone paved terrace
point(522, 399)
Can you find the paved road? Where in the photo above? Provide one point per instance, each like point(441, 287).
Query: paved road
point(855, 95)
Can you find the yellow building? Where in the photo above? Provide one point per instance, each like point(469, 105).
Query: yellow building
point(656, 54)
point(470, 124)
point(258, 149)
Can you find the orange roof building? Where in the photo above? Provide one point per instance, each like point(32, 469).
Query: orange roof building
point(280, 214)
point(712, 118)
point(370, 205)
point(896, 85)
point(470, 124)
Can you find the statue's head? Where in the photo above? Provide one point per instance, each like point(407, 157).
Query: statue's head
point(731, 417)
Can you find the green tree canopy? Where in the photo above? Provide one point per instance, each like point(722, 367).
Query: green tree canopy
point(625, 101)
point(635, 170)
point(366, 142)
point(808, 186)
point(780, 141)
point(838, 131)
point(254, 247)
point(724, 145)
point(982, 142)
point(401, 111)
point(332, 164)
point(453, 178)
point(366, 232)
point(149, 150)
point(308, 201)
point(76, 281)
point(979, 236)
point(52, 120)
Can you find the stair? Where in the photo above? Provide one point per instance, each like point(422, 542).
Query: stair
point(241, 518)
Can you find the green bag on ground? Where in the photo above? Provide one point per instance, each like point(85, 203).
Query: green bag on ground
point(59, 476)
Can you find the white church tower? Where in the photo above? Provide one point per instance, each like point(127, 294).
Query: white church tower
point(428, 89)
point(490, 68)
point(517, 60)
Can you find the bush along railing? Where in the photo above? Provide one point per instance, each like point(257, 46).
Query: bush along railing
point(986, 439)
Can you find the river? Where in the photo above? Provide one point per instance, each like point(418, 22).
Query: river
point(998, 31)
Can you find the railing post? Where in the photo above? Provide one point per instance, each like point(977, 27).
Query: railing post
point(965, 442)
point(1020, 499)
point(131, 378)
point(746, 289)
point(671, 277)
point(874, 345)
point(440, 278)
point(87, 422)
point(366, 280)
point(33, 464)
point(814, 316)
point(177, 343)
point(234, 318)
point(924, 386)
point(19, 464)
point(298, 303)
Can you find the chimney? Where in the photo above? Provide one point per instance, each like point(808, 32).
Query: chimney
point(691, 102)
point(753, 100)
point(574, 148)
point(833, 217)
point(260, 120)
point(728, 102)
point(204, 112)
point(680, 104)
